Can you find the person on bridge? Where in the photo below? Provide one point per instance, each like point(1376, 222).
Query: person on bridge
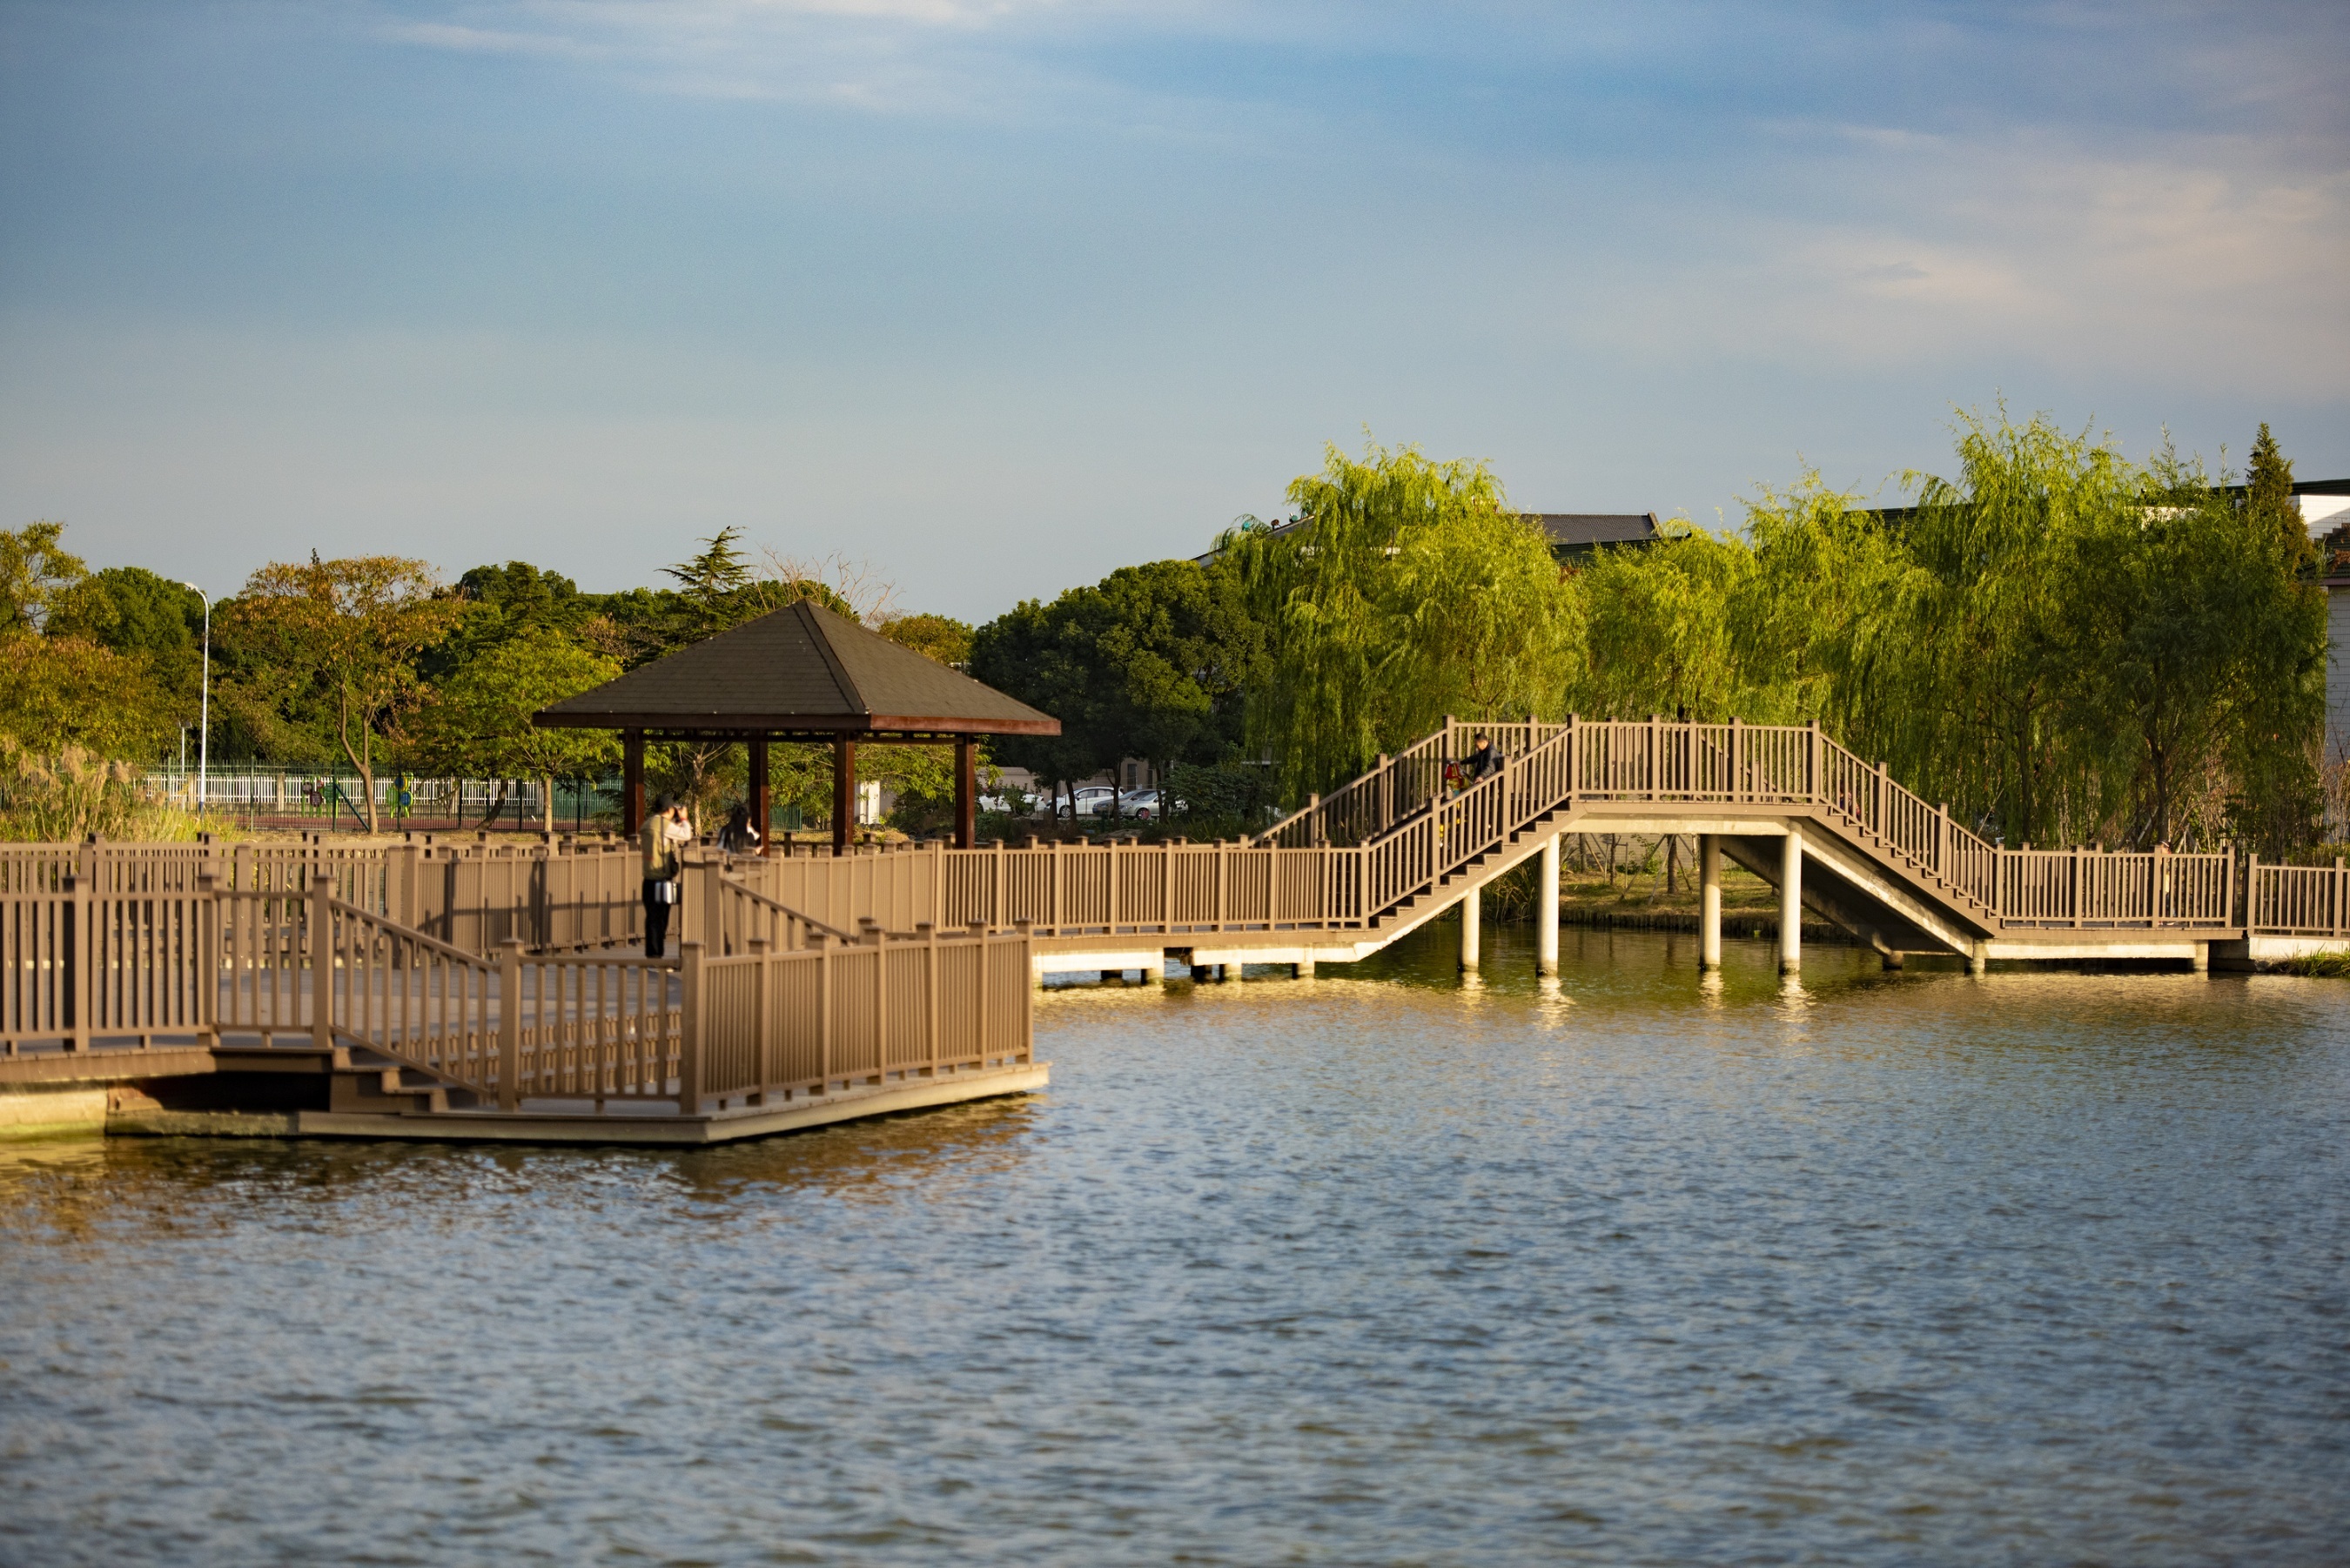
point(659, 840)
point(738, 836)
point(1482, 760)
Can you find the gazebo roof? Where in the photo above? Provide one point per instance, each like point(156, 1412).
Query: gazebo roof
point(803, 670)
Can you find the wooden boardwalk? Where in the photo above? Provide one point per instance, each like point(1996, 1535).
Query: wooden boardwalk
point(435, 990)
point(1405, 844)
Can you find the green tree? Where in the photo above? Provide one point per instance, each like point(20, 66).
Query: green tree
point(1150, 662)
point(478, 717)
point(149, 620)
point(940, 638)
point(1681, 627)
point(2269, 503)
point(35, 568)
point(1040, 654)
point(2192, 643)
point(1412, 588)
point(343, 633)
point(65, 692)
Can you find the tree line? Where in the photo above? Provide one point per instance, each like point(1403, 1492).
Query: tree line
point(372, 665)
point(2062, 644)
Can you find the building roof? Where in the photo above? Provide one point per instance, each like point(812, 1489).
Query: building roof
point(1577, 532)
point(801, 668)
point(1585, 530)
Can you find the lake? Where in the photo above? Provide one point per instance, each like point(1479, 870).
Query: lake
point(1375, 1268)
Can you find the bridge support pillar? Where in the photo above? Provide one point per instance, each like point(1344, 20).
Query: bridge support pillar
point(1708, 901)
point(1547, 910)
point(1791, 901)
point(1979, 958)
point(1472, 934)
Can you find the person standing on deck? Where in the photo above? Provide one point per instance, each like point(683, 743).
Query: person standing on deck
point(663, 833)
point(738, 836)
point(1482, 760)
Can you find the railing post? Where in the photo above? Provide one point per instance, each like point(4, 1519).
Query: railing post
point(1812, 789)
point(691, 1017)
point(2337, 896)
point(824, 1009)
point(979, 991)
point(714, 933)
point(878, 940)
point(1736, 760)
point(930, 995)
point(1942, 846)
point(321, 936)
point(763, 1046)
point(510, 1025)
point(74, 970)
point(208, 952)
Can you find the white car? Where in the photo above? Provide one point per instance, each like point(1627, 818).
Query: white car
point(1141, 804)
point(1093, 800)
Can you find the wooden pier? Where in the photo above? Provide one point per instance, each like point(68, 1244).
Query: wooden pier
point(432, 990)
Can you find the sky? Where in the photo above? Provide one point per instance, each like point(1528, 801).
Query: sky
point(992, 296)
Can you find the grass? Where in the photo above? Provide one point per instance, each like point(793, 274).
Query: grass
point(2333, 963)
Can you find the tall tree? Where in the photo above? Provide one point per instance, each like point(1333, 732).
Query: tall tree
point(1410, 588)
point(35, 568)
point(2269, 503)
point(478, 717)
point(1150, 662)
point(346, 632)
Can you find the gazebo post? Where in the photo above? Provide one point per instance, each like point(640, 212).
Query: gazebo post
point(966, 794)
point(632, 782)
point(758, 791)
point(844, 791)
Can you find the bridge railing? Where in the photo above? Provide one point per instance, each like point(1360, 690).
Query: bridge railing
point(781, 1006)
point(781, 1025)
point(2297, 901)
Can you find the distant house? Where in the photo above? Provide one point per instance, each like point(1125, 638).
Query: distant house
point(2325, 511)
point(1574, 535)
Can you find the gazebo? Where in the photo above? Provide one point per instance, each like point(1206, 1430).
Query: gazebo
point(799, 673)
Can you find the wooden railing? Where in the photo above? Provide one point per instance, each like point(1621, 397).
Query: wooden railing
point(76, 963)
point(98, 939)
point(2297, 901)
point(777, 1005)
point(775, 1025)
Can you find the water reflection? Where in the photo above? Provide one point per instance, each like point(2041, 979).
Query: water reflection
point(1628, 1265)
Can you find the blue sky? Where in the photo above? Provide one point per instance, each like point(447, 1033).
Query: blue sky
point(996, 297)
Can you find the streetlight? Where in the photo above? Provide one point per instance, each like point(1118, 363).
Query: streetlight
point(205, 734)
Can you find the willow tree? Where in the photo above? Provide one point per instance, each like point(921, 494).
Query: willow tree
point(2198, 656)
point(1686, 628)
point(1411, 589)
point(1970, 639)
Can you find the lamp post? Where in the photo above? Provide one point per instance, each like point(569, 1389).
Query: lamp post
point(204, 731)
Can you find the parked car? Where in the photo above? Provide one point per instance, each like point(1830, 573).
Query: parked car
point(1093, 800)
point(1142, 805)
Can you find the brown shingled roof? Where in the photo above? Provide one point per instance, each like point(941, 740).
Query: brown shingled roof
point(801, 668)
